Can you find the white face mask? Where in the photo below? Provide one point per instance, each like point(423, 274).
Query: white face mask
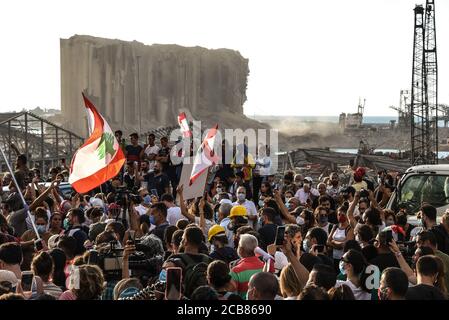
point(300, 221)
point(241, 196)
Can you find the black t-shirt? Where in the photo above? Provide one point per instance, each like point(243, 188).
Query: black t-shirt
point(226, 254)
point(80, 236)
point(133, 152)
point(385, 260)
point(309, 260)
point(424, 292)
point(129, 181)
point(267, 235)
point(159, 182)
point(159, 231)
point(369, 252)
point(164, 152)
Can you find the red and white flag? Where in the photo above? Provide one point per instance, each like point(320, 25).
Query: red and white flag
point(184, 125)
point(100, 158)
point(205, 156)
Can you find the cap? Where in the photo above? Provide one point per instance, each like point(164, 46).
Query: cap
point(128, 292)
point(8, 276)
point(360, 171)
point(238, 211)
point(214, 230)
point(96, 202)
point(229, 201)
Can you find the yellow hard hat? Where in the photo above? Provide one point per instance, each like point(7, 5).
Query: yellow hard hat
point(214, 230)
point(238, 211)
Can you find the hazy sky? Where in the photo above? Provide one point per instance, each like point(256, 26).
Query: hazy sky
point(305, 57)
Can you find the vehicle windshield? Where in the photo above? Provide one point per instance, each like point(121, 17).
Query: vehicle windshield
point(432, 189)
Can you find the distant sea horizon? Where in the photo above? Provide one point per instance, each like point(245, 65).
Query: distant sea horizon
point(331, 119)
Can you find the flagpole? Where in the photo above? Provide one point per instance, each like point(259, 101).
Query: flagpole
point(25, 206)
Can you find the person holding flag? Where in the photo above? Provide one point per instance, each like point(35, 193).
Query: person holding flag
point(100, 158)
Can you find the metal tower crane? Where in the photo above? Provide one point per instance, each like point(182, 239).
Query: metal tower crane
point(424, 93)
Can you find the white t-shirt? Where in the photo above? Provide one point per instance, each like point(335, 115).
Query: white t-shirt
point(359, 293)
point(326, 228)
point(229, 234)
point(264, 166)
point(151, 150)
point(174, 215)
point(303, 196)
point(141, 209)
point(250, 211)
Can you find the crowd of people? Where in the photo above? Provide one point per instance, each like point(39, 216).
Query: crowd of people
point(250, 236)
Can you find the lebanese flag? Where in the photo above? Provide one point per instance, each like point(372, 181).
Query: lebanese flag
point(100, 158)
point(184, 125)
point(205, 156)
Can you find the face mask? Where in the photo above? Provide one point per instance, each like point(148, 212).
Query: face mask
point(300, 221)
point(288, 205)
point(323, 219)
point(66, 224)
point(287, 199)
point(41, 228)
point(261, 203)
point(219, 190)
point(341, 266)
point(147, 199)
point(152, 220)
point(163, 275)
point(342, 218)
point(306, 245)
point(382, 294)
point(241, 196)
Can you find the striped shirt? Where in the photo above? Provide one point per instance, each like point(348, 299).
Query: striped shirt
point(242, 272)
point(52, 289)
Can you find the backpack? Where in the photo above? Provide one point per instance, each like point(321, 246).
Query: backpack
point(194, 273)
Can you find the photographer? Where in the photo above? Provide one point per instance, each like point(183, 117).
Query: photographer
point(144, 259)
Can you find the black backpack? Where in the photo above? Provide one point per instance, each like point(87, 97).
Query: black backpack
point(194, 273)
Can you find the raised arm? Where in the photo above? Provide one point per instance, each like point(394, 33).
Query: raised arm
point(185, 212)
point(351, 209)
point(202, 219)
point(284, 211)
point(42, 197)
point(402, 263)
point(300, 271)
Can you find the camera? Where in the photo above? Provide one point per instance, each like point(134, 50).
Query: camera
point(123, 196)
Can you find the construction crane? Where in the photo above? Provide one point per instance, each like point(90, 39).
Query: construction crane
point(424, 91)
point(403, 110)
point(361, 107)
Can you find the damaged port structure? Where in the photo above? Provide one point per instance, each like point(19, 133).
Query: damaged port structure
point(418, 111)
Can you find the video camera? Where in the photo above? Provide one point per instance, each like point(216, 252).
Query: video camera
point(123, 196)
point(144, 263)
